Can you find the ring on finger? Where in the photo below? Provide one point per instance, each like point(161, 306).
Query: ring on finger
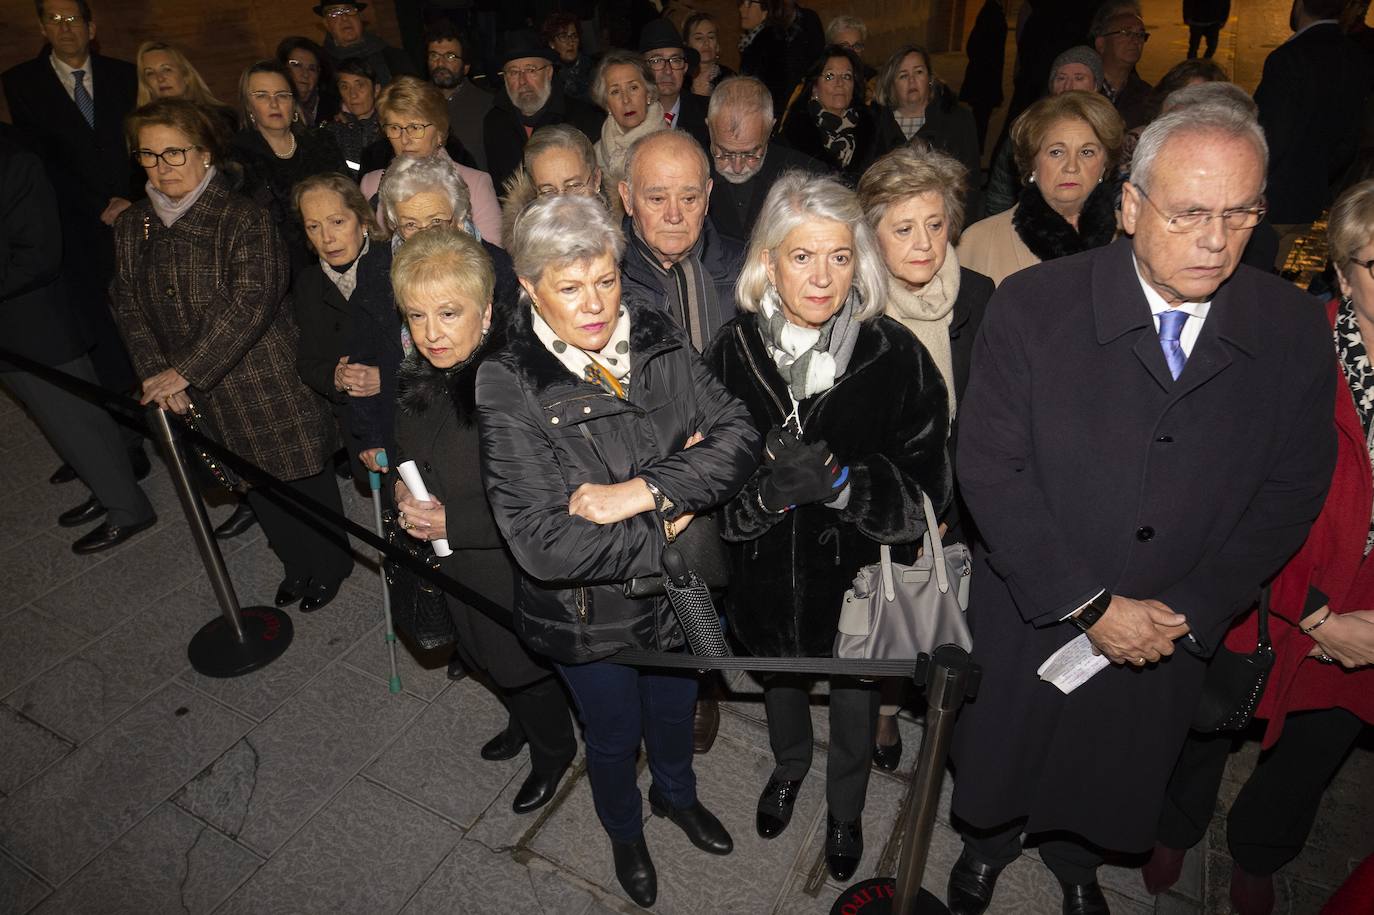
point(1140, 661)
point(1326, 658)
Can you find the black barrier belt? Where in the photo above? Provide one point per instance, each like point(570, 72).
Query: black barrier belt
point(489, 608)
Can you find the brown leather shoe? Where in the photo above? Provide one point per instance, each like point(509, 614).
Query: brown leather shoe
point(1251, 894)
point(705, 723)
point(1163, 869)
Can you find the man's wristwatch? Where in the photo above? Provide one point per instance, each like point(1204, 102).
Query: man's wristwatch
point(1088, 615)
point(662, 504)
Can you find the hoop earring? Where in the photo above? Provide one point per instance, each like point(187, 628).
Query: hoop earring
point(296, 116)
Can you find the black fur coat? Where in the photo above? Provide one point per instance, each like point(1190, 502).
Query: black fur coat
point(887, 418)
point(1049, 235)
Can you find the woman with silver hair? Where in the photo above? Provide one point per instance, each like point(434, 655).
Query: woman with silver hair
point(624, 87)
point(603, 434)
point(855, 415)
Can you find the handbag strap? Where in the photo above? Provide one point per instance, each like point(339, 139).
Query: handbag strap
point(1262, 619)
point(934, 548)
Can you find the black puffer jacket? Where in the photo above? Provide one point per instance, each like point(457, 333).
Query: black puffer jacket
point(544, 433)
point(887, 418)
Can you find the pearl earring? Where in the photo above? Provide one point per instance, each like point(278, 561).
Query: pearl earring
point(1031, 179)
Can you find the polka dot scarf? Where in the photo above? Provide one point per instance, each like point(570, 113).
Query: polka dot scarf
point(609, 368)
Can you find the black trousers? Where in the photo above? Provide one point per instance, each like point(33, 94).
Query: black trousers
point(853, 719)
point(1195, 35)
point(1273, 814)
point(540, 711)
point(1071, 859)
point(307, 548)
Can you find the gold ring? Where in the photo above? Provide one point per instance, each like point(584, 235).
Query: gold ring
point(1140, 661)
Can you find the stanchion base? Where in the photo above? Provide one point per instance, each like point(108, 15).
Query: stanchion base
point(878, 897)
point(215, 652)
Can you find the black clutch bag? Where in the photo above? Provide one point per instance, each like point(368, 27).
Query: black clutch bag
point(701, 552)
point(198, 422)
point(419, 607)
point(1235, 682)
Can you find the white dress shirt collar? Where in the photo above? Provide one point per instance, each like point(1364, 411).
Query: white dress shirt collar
point(64, 75)
point(1196, 311)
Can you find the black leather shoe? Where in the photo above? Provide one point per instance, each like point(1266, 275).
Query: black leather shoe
point(504, 745)
point(635, 871)
point(538, 789)
point(290, 591)
point(1084, 899)
point(970, 885)
point(317, 595)
point(700, 824)
point(239, 521)
point(775, 806)
point(83, 514)
point(64, 474)
point(138, 460)
point(108, 535)
point(888, 758)
point(844, 847)
point(456, 669)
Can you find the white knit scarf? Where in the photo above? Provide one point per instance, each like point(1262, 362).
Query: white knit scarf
point(928, 312)
point(616, 141)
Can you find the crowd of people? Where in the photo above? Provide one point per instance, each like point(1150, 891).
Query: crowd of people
point(612, 292)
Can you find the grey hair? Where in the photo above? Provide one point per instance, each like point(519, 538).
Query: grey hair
point(737, 97)
point(562, 229)
point(680, 138)
point(559, 136)
point(1109, 11)
point(1209, 119)
point(797, 198)
point(406, 177)
point(1217, 93)
point(619, 57)
point(840, 24)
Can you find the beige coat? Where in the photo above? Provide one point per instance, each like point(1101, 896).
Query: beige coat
point(992, 247)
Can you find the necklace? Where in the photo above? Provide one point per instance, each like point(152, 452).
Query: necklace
point(290, 152)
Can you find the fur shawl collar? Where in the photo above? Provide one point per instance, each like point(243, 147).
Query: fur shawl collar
point(420, 386)
point(1049, 235)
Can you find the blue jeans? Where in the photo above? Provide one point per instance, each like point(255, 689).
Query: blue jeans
point(618, 705)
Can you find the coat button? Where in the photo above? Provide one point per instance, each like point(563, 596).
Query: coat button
point(1145, 534)
point(554, 420)
point(428, 469)
point(586, 409)
point(1166, 439)
point(169, 292)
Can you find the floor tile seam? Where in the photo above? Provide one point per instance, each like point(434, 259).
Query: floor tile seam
point(24, 868)
point(385, 681)
point(81, 646)
point(222, 703)
point(372, 779)
point(608, 897)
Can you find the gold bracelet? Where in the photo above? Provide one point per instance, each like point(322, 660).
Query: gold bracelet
point(669, 530)
point(1318, 624)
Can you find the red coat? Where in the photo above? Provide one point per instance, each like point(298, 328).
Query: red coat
point(1332, 561)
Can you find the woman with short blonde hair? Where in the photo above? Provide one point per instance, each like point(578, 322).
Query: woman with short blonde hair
point(854, 414)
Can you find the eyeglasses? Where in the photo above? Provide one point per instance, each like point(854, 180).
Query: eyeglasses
point(262, 95)
point(1183, 223)
point(1139, 35)
point(302, 65)
point(677, 62)
point(172, 155)
point(565, 37)
point(1367, 265)
point(513, 73)
point(451, 56)
point(726, 157)
point(857, 47)
point(572, 186)
point(415, 130)
point(831, 75)
point(59, 20)
point(409, 228)
point(341, 13)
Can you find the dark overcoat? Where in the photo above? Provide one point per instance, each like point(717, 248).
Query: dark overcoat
point(436, 427)
point(722, 258)
point(545, 433)
point(1087, 466)
point(886, 418)
point(208, 297)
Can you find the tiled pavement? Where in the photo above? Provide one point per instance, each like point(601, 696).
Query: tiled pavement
point(129, 783)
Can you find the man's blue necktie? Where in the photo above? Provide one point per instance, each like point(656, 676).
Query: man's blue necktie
point(1170, 327)
point(83, 99)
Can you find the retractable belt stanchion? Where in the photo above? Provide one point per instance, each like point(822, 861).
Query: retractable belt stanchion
point(374, 480)
point(949, 677)
point(240, 640)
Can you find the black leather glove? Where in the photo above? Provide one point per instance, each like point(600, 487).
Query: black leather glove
point(801, 475)
point(778, 440)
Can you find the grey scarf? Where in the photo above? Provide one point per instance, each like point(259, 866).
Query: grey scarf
point(810, 360)
point(691, 293)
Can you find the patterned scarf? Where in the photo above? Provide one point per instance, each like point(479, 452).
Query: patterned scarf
point(690, 293)
point(346, 279)
point(1354, 359)
point(608, 369)
point(838, 132)
point(747, 38)
point(808, 359)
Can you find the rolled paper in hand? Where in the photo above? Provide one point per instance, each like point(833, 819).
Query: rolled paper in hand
point(411, 475)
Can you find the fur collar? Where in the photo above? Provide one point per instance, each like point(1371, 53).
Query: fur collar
point(651, 332)
point(1049, 235)
point(420, 385)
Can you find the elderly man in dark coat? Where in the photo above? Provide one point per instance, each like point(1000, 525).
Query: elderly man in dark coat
point(1146, 437)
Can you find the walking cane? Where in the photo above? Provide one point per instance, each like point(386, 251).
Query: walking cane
point(374, 479)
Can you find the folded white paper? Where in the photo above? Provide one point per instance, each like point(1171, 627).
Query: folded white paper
point(1073, 665)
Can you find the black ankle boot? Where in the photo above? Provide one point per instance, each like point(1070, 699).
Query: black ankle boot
point(635, 871)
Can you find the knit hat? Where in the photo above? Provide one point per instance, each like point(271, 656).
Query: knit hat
point(1082, 54)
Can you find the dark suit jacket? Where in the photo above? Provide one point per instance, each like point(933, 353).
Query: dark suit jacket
point(1085, 466)
point(691, 117)
point(503, 128)
point(734, 207)
point(1310, 99)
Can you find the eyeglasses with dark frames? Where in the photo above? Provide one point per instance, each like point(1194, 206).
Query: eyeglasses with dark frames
point(174, 156)
point(677, 62)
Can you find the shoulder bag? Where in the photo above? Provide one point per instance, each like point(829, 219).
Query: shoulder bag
point(1235, 682)
point(419, 607)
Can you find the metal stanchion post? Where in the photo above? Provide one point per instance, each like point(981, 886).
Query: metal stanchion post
point(240, 640)
point(950, 677)
point(375, 482)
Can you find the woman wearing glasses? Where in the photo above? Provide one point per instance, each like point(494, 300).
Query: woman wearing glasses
point(199, 294)
point(277, 149)
point(562, 33)
point(559, 159)
point(1320, 694)
point(312, 77)
point(831, 123)
point(414, 120)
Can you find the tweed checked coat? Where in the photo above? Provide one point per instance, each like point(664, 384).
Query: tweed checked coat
point(208, 297)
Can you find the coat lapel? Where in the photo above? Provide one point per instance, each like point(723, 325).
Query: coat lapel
point(52, 98)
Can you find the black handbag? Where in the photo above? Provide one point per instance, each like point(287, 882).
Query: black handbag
point(1234, 682)
point(419, 608)
point(701, 551)
point(198, 422)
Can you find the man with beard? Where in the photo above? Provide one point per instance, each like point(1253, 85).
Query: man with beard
point(349, 38)
point(744, 163)
point(468, 103)
point(529, 99)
